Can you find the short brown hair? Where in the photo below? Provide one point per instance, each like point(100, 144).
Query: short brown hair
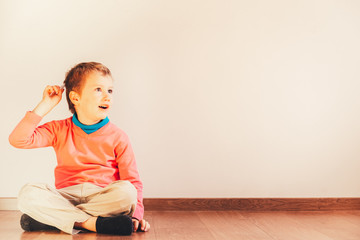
point(74, 79)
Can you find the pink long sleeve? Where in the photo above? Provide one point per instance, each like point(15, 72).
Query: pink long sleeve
point(25, 134)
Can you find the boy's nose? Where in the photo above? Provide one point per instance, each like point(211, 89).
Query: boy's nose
point(107, 97)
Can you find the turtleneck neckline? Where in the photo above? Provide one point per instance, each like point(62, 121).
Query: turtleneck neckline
point(89, 128)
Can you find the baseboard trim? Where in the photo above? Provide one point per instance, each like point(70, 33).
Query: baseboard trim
point(235, 204)
point(251, 204)
point(8, 204)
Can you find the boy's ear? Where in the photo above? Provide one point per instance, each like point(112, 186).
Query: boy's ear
point(74, 98)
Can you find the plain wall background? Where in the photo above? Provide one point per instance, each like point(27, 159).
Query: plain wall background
point(219, 98)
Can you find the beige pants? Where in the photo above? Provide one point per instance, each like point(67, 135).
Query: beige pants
point(61, 208)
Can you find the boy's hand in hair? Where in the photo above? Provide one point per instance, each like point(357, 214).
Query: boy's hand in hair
point(51, 97)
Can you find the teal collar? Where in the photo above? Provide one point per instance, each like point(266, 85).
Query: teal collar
point(89, 128)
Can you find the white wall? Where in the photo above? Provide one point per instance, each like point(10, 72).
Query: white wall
point(219, 98)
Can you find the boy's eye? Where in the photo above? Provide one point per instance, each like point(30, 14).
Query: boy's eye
point(98, 89)
point(110, 91)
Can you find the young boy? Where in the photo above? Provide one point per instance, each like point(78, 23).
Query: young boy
point(97, 182)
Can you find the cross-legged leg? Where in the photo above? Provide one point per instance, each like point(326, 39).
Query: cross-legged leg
point(112, 207)
point(46, 205)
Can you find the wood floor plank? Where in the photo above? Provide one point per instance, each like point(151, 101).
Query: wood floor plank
point(80, 236)
point(179, 225)
point(9, 227)
point(282, 227)
point(208, 225)
point(232, 225)
point(353, 217)
point(336, 225)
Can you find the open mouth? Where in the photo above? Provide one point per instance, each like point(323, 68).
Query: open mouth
point(103, 106)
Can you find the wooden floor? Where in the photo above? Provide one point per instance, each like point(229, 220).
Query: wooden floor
point(207, 225)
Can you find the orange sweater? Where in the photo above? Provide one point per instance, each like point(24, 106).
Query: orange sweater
point(100, 158)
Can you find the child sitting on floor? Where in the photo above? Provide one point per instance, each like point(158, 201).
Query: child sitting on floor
point(97, 182)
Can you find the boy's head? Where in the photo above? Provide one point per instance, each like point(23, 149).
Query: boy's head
point(88, 90)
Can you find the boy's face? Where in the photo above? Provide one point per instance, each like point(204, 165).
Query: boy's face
point(93, 103)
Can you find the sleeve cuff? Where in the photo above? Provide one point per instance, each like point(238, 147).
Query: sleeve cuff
point(138, 214)
point(33, 117)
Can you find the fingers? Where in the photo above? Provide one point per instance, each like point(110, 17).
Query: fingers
point(136, 224)
point(54, 90)
point(57, 90)
point(143, 226)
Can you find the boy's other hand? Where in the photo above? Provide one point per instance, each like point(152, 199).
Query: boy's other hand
point(141, 225)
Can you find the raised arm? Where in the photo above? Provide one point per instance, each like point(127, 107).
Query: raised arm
point(26, 134)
